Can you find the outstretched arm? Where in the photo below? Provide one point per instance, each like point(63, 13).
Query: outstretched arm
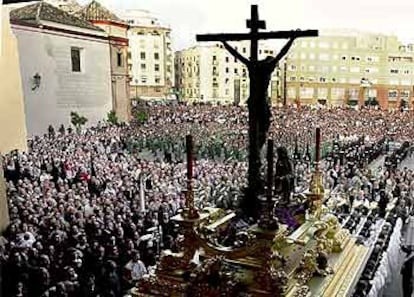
point(236, 54)
point(283, 52)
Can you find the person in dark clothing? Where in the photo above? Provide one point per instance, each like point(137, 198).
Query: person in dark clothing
point(407, 273)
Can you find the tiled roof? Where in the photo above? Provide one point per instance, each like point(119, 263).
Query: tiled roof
point(94, 11)
point(35, 13)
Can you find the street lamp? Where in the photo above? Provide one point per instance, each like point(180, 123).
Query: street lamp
point(36, 81)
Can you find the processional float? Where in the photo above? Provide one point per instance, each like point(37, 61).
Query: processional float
point(319, 258)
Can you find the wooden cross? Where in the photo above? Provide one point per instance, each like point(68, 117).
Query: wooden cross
point(258, 105)
point(254, 24)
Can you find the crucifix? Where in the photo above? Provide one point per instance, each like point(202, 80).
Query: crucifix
point(258, 102)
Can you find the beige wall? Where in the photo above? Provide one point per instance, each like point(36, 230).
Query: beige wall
point(12, 118)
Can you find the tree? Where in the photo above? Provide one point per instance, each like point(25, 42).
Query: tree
point(112, 118)
point(142, 116)
point(77, 120)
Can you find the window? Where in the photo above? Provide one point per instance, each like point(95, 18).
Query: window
point(227, 59)
point(306, 93)
point(119, 59)
point(227, 69)
point(392, 94)
point(157, 67)
point(142, 55)
point(372, 59)
point(405, 94)
point(156, 56)
point(75, 54)
point(235, 71)
point(354, 69)
point(292, 78)
point(353, 94)
point(322, 93)
point(343, 58)
point(157, 80)
point(143, 79)
point(244, 50)
point(394, 71)
point(143, 67)
point(371, 70)
point(227, 91)
point(406, 71)
point(323, 44)
point(214, 58)
point(337, 93)
point(322, 79)
point(292, 67)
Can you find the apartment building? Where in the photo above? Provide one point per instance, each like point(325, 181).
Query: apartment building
point(150, 55)
point(209, 73)
point(350, 67)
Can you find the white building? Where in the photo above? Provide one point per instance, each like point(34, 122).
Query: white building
point(209, 73)
point(65, 67)
point(150, 55)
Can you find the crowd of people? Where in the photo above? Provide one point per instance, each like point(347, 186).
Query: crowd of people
point(90, 211)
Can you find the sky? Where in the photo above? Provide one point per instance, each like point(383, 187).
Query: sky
point(190, 17)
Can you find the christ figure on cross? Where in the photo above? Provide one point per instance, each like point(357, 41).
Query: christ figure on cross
point(260, 72)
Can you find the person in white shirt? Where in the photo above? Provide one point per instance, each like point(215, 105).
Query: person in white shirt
point(135, 269)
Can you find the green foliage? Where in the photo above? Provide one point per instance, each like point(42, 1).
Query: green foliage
point(77, 120)
point(112, 118)
point(142, 116)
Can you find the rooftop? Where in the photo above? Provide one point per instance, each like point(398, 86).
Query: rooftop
point(95, 11)
point(36, 13)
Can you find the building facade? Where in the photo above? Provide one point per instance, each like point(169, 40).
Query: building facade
point(118, 47)
point(349, 67)
point(64, 66)
point(13, 134)
point(150, 55)
point(209, 73)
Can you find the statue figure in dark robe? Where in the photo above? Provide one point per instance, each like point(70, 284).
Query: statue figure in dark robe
point(284, 176)
point(259, 118)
